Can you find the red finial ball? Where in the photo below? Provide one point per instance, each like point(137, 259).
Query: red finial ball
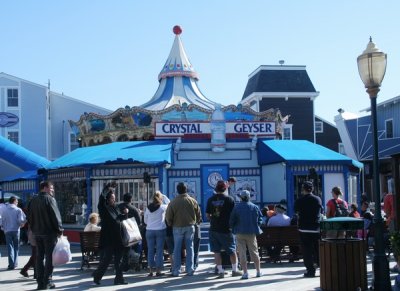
point(177, 30)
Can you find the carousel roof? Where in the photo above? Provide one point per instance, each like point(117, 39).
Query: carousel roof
point(178, 81)
point(157, 152)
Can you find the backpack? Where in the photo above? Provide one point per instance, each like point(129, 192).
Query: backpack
point(341, 209)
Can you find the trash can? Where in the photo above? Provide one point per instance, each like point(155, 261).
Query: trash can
point(343, 263)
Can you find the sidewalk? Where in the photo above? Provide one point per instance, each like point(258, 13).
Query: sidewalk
point(280, 276)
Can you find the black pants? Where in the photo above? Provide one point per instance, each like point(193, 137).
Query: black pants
point(309, 243)
point(44, 246)
point(32, 261)
point(108, 253)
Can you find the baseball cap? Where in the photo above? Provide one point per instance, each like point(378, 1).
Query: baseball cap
point(244, 194)
point(281, 206)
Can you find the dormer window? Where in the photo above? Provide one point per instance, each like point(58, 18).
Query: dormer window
point(319, 127)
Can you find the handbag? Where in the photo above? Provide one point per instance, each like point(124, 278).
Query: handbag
point(130, 232)
point(62, 252)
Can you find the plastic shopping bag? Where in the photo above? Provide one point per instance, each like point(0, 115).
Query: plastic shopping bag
point(62, 252)
point(130, 232)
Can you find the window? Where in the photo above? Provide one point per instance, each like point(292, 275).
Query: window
point(341, 149)
point(13, 136)
point(389, 128)
point(71, 197)
point(353, 189)
point(12, 97)
point(319, 126)
point(73, 142)
point(287, 131)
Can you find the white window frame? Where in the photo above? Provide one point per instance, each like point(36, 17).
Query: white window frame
point(289, 128)
point(11, 132)
point(386, 122)
point(321, 130)
point(18, 98)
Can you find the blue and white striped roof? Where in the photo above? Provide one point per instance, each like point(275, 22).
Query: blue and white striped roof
point(178, 81)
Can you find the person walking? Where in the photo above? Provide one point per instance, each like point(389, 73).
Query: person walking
point(245, 221)
point(110, 235)
point(45, 221)
point(13, 218)
point(32, 259)
point(219, 208)
point(309, 209)
point(154, 218)
point(183, 213)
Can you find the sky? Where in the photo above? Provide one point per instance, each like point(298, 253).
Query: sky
point(110, 53)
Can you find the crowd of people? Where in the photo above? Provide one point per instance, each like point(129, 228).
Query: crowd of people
point(175, 225)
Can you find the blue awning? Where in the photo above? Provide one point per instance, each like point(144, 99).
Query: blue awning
point(155, 152)
point(19, 156)
point(27, 175)
point(299, 151)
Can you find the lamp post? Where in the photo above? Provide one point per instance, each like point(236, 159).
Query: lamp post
point(372, 68)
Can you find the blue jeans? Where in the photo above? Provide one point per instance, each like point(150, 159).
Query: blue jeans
point(12, 242)
point(187, 234)
point(155, 241)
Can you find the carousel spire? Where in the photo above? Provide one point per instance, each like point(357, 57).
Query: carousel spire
point(177, 63)
point(178, 81)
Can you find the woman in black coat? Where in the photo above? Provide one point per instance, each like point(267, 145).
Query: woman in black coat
point(110, 235)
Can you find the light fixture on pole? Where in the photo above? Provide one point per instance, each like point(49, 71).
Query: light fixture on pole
point(372, 68)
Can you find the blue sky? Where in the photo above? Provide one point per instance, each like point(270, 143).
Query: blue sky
point(110, 52)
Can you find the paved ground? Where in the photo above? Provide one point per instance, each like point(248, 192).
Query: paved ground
point(280, 276)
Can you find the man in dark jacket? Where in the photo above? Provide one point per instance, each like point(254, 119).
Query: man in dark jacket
point(309, 209)
point(45, 221)
point(110, 235)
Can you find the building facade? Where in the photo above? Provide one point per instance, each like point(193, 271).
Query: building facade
point(203, 142)
point(36, 118)
point(290, 89)
point(356, 134)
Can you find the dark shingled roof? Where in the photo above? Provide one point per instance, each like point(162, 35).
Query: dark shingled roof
point(270, 80)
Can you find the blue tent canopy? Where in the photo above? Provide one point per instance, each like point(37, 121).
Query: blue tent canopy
point(19, 156)
point(27, 175)
point(155, 152)
point(296, 151)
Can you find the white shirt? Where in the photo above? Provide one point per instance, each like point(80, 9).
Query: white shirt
point(92, 227)
point(12, 218)
point(155, 220)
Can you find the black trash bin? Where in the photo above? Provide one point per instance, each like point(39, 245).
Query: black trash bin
point(343, 263)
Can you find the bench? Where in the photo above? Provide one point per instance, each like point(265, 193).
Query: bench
point(89, 247)
point(285, 237)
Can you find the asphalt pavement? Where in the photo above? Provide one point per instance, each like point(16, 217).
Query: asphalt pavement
point(276, 276)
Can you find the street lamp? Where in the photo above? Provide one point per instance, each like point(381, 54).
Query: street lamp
point(372, 68)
